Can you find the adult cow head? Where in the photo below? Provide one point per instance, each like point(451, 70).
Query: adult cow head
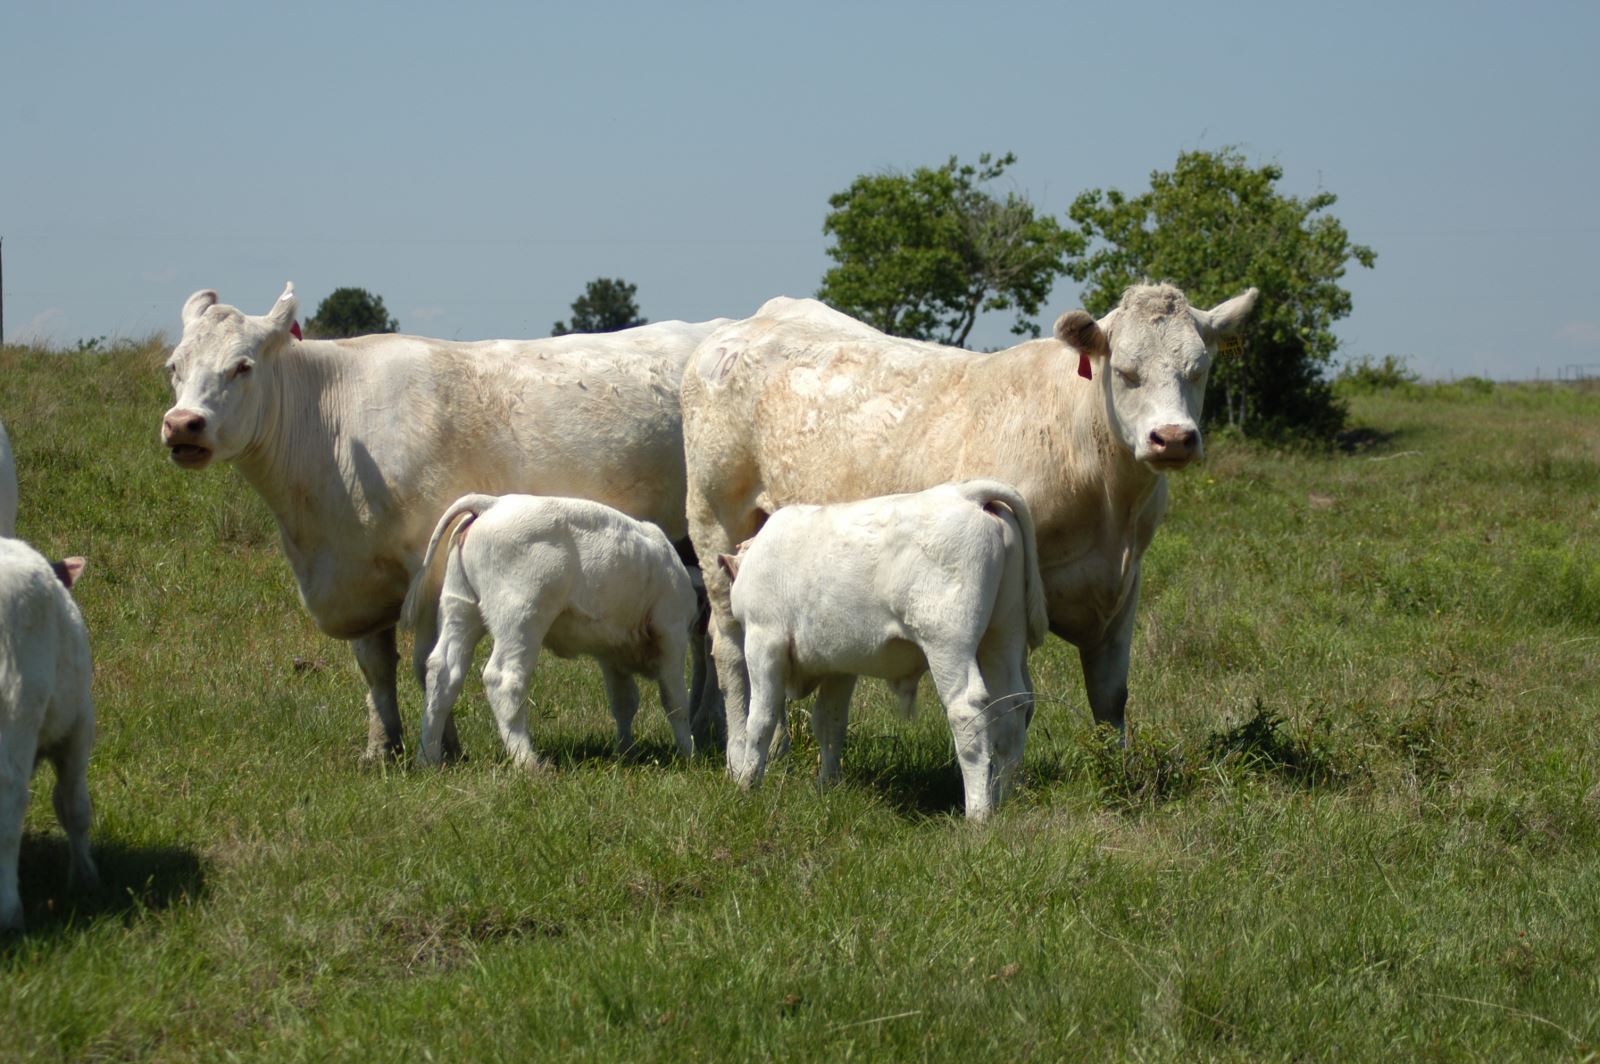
point(1152, 354)
point(216, 370)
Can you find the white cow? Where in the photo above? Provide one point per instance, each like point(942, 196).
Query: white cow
point(358, 445)
point(569, 575)
point(8, 486)
point(45, 709)
point(803, 404)
point(944, 581)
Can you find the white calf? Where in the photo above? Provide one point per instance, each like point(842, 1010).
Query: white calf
point(944, 581)
point(571, 575)
point(45, 709)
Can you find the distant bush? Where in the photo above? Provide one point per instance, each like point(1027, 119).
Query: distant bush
point(350, 312)
point(1367, 375)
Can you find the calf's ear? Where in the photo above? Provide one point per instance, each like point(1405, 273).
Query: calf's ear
point(1228, 317)
point(282, 315)
point(198, 304)
point(730, 565)
point(69, 569)
point(1083, 334)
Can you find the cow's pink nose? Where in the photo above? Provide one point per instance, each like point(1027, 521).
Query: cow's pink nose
point(1174, 441)
point(182, 423)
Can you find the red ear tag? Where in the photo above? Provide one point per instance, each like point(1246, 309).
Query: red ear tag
point(1083, 367)
point(294, 331)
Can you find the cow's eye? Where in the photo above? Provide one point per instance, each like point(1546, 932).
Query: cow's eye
point(242, 367)
point(1129, 377)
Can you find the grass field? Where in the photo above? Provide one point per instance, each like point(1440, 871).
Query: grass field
point(1359, 819)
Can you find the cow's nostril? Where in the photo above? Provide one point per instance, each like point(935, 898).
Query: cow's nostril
point(184, 423)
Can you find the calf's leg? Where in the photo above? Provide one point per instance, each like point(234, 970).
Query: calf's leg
point(1005, 675)
point(71, 797)
point(460, 629)
point(830, 715)
point(623, 695)
point(960, 684)
point(17, 749)
point(767, 690)
point(676, 701)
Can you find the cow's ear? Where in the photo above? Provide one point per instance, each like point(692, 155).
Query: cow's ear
point(283, 312)
point(198, 304)
point(730, 565)
point(1079, 331)
point(1226, 318)
point(282, 315)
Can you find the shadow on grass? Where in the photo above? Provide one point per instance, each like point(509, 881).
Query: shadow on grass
point(1363, 440)
point(134, 880)
point(918, 779)
point(601, 750)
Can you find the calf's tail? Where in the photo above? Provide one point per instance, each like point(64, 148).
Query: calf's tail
point(421, 608)
point(986, 493)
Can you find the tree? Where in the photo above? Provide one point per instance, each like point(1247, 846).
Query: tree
point(1215, 226)
point(350, 312)
point(922, 254)
point(605, 306)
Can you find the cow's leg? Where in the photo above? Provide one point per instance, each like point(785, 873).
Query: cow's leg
point(460, 630)
point(707, 726)
point(377, 656)
point(1105, 668)
point(71, 797)
point(960, 684)
point(675, 698)
point(623, 696)
point(830, 715)
point(16, 769)
point(767, 691)
point(379, 661)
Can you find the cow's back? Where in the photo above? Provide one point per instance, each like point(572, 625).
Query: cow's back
point(804, 408)
point(380, 435)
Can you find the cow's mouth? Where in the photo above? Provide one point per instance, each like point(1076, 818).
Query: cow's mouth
point(189, 455)
point(1168, 465)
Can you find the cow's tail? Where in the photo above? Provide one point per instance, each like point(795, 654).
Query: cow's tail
point(421, 609)
point(986, 493)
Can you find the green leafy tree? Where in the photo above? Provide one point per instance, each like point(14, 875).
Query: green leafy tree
point(922, 254)
point(605, 306)
point(350, 312)
point(1214, 226)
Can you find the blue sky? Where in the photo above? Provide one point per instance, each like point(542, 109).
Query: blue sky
point(476, 164)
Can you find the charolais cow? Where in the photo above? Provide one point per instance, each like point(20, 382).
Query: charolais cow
point(567, 575)
point(803, 404)
point(8, 486)
point(943, 581)
point(357, 446)
point(45, 709)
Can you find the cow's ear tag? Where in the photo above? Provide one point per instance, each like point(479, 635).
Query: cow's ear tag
point(1083, 367)
point(294, 331)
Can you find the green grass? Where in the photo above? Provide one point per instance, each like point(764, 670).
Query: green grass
point(1360, 816)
